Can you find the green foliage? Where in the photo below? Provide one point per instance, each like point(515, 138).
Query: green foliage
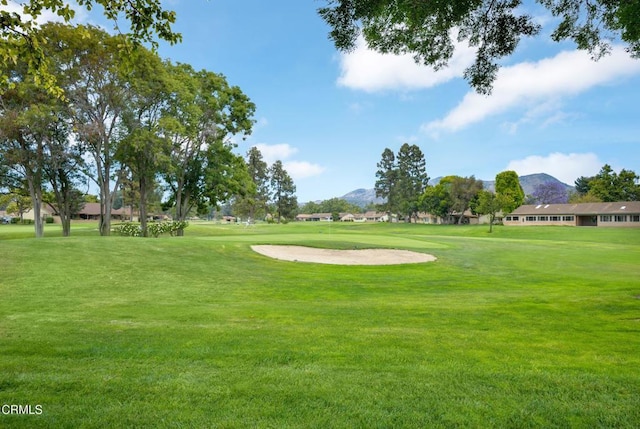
point(48, 219)
point(436, 200)
point(202, 114)
point(608, 186)
point(23, 39)
point(511, 194)
point(488, 203)
point(428, 30)
point(332, 205)
point(401, 180)
point(282, 192)
point(386, 181)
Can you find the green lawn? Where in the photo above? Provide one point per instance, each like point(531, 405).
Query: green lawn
point(525, 327)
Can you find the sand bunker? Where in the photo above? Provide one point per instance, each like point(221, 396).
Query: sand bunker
point(343, 257)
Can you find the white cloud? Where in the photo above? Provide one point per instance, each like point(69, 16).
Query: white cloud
point(282, 152)
point(302, 169)
point(370, 71)
point(81, 13)
point(531, 85)
point(564, 167)
point(272, 153)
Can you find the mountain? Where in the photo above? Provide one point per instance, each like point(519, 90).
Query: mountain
point(362, 197)
point(529, 182)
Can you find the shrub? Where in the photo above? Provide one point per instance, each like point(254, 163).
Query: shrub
point(154, 229)
point(128, 229)
point(48, 219)
point(15, 220)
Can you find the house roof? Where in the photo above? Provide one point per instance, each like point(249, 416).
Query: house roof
point(584, 209)
point(93, 209)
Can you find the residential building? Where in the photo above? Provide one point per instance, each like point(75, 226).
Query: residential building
point(616, 214)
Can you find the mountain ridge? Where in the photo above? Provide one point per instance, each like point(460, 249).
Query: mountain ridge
point(363, 197)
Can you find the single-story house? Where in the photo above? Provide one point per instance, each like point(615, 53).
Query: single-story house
point(91, 211)
point(467, 218)
point(624, 213)
point(373, 216)
point(315, 217)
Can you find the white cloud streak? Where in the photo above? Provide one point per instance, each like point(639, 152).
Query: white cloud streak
point(565, 167)
point(302, 169)
point(367, 70)
point(272, 153)
point(282, 152)
point(534, 84)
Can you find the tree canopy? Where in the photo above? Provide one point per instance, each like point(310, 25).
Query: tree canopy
point(429, 30)
point(23, 40)
point(608, 186)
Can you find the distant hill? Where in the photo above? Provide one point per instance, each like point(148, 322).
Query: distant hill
point(529, 182)
point(362, 197)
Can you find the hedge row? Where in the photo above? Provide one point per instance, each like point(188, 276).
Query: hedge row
point(154, 229)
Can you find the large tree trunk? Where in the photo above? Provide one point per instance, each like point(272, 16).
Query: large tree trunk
point(182, 206)
point(143, 206)
point(35, 192)
point(105, 208)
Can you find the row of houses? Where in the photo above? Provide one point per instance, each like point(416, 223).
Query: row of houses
point(374, 216)
point(614, 214)
point(90, 211)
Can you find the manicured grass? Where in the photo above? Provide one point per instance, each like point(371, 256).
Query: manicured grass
point(525, 327)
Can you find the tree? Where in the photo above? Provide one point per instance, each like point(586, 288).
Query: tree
point(226, 175)
point(582, 184)
point(462, 191)
point(488, 203)
point(17, 202)
point(436, 200)
point(411, 179)
point(387, 180)
point(282, 191)
point(203, 110)
point(429, 29)
point(87, 64)
point(610, 186)
point(144, 151)
point(63, 165)
point(23, 39)
point(255, 202)
point(25, 121)
point(549, 193)
point(509, 190)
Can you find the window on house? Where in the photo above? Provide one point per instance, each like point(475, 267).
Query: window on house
point(568, 218)
point(554, 218)
point(605, 218)
point(543, 218)
point(635, 218)
point(531, 218)
point(620, 218)
point(516, 218)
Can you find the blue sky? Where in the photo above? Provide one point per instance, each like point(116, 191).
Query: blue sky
point(328, 115)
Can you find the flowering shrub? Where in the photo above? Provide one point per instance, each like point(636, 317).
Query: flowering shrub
point(154, 229)
point(129, 229)
point(157, 228)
